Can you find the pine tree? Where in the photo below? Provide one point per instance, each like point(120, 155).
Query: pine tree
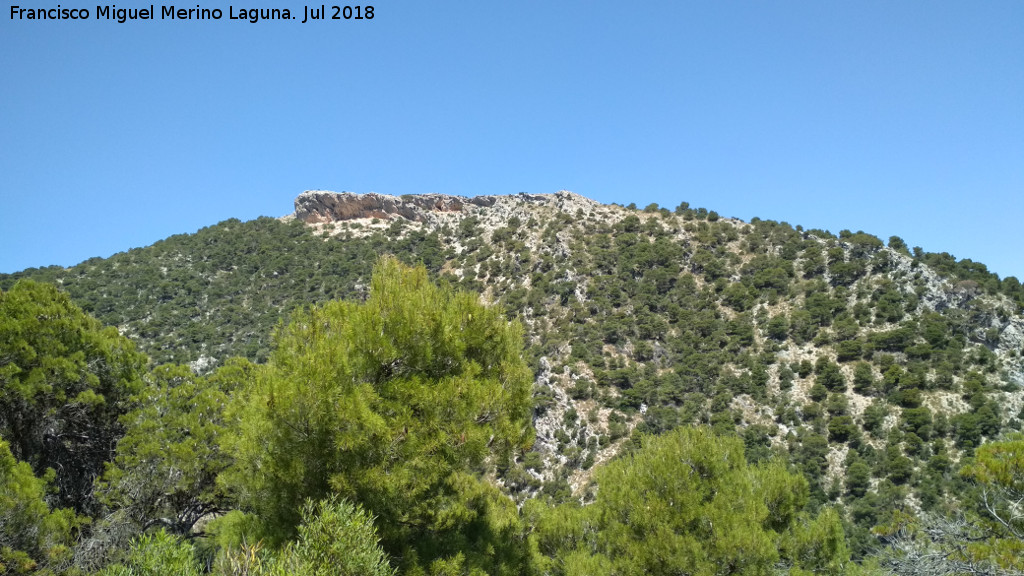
point(395, 404)
point(688, 503)
point(64, 381)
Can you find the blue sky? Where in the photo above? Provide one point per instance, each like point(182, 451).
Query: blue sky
point(902, 118)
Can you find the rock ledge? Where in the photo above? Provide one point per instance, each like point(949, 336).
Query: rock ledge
point(319, 206)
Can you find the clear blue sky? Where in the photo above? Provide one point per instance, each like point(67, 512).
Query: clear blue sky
point(902, 118)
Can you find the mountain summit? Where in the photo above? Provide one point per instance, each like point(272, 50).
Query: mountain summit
point(872, 368)
point(320, 206)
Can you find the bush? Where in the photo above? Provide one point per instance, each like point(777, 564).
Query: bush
point(829, 375)
point(31, 535)
point(688, 503)
point(777, 328)
point(841, 429)
point(157, 554)
point(336, 538)
point(849, 350)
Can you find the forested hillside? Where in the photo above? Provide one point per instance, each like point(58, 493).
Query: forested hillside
point(678, 393)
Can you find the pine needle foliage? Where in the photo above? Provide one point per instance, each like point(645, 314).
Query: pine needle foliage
point(687, 502)
point(390, 403)
point(336, 538)
point(64, 381)
point(33, 538)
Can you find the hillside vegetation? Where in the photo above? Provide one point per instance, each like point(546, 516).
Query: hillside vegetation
point(840, 403)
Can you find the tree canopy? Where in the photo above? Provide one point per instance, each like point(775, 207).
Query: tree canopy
point(687, 502)
point(64, 381)
point(389, 402)
point(32, 536)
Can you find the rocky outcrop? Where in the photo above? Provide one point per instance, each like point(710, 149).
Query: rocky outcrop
point(1011, 350)
point(318, 206)
point(322, 207)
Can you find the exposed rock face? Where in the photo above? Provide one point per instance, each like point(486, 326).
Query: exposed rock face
point(572, 430)
point(318, 206)
point(1011, 349)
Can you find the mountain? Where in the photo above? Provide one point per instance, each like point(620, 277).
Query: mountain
point(873, 369)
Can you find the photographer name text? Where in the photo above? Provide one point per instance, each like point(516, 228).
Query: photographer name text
point(113, 13)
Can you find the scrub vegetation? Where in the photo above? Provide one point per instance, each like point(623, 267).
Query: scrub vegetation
point(538, 387)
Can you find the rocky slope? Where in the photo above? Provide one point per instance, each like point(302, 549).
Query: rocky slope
point(994, 325)
point(838, 353)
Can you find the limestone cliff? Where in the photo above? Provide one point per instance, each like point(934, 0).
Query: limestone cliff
point(319, 206)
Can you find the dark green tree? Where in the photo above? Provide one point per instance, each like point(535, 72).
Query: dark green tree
point(33, 538)
point(829, 375)
point(64, 381)
point(167, 462)
point(688, 503)
point(394, 404)
point(858, 478)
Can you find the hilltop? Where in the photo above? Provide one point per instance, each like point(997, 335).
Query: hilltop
point(872, 368)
